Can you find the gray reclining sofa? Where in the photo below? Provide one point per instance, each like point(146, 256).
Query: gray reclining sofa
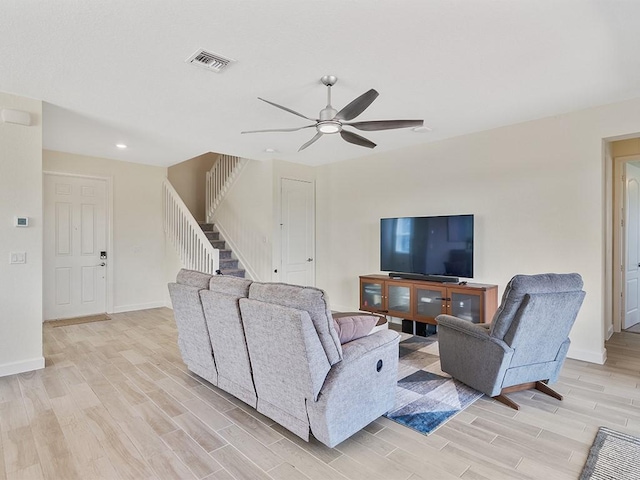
point(274, 347)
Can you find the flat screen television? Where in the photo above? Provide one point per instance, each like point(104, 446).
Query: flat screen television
point(439, 247)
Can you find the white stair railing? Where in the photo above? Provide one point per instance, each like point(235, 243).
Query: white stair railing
point(219, 179)
point(193, 246)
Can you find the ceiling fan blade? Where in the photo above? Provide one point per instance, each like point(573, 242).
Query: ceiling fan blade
point(385, 124)
point(315, 137)
point(356, 139)
point(286, 109)
point(279, 129)
point(357, 106)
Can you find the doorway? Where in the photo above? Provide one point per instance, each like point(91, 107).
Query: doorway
point(75, 246)
point(297, 227)
point(626, 235)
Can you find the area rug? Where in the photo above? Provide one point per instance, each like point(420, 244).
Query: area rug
point(101, 317)
point(426, 397)
point(613, 456)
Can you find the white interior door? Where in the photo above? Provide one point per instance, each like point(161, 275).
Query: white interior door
point(298, 232)
point(632, 237)
point(75, 234)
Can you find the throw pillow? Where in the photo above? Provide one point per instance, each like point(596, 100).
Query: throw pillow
point(353, 327)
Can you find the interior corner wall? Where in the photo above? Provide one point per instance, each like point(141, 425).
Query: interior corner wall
point(189, 180)
point(138, 256)
point(537, 191)
point(21, 195)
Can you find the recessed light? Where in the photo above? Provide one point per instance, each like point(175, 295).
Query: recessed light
point(121, 145)
point(422, 129)
point(270, 150)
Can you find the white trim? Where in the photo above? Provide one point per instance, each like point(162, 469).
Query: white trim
point(109, 214)
point(609, 332)
point(22, 366)
point(588, 355)
point(139, 306)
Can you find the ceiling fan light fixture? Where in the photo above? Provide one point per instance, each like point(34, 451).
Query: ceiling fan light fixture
point(329, 126)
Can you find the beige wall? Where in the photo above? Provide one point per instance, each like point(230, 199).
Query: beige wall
point(189, 180)
point(21, 195)
point(537, 191)
point(137, 262)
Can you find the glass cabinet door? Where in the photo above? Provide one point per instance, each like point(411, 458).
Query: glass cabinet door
point(430, 302)
point(371, 295)
point(399, 299)
point(465, 305)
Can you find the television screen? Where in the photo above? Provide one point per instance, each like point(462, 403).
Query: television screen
point(427, 245)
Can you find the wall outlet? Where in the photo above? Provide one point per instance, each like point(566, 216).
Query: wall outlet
point(18, 257)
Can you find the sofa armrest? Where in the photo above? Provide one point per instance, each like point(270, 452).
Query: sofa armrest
point(469, 354)
point(358, 389)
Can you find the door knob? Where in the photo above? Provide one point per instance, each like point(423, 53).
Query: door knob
point(311, 260)
point(102, 264)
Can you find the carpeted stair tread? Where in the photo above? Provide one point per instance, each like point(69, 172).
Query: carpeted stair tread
point(228, 264)
point(219, 244)
point(212, 235)
point(206, 227)
point(233, 272)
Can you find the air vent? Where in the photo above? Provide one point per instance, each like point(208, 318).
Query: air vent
point(209, 60)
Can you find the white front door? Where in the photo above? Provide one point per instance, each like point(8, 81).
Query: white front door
point(75, 235)
point(298, 232)
point(632, 237)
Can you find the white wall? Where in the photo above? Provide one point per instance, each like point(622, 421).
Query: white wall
point(21, 195)
point(138, 257)
point(536, 189)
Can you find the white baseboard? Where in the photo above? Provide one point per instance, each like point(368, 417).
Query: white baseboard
point(609, 332)
point(21, 367)
point(588, 355)
point(138, 306)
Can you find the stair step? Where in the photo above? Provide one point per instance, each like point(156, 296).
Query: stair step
point(219, 244)
point(225, 254)
point(212, 235)
point(228, 264)
point(206, 227)
point(233, 272)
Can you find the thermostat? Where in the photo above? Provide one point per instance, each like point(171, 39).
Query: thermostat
point(22, 221)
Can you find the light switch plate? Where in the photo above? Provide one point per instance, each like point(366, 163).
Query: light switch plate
point(18, 257)
point(22, 221)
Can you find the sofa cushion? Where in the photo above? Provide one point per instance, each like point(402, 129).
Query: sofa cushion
point(312, 300)
point(236, 286)
point(193, 278)
point(353, 326)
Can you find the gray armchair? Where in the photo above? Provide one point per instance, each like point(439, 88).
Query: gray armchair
point(525, 345)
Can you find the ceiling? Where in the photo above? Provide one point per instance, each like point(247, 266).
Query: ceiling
point(115, 72)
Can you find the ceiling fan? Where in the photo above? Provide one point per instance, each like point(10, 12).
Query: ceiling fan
point(331, 121)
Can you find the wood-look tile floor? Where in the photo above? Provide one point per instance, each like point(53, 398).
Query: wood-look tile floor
point(115, 401)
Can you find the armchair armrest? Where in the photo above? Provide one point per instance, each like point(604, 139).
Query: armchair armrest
point(358, 389)
point(469, 354)
point(478, 330)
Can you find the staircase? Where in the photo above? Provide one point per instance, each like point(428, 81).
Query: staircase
point(227, 264)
